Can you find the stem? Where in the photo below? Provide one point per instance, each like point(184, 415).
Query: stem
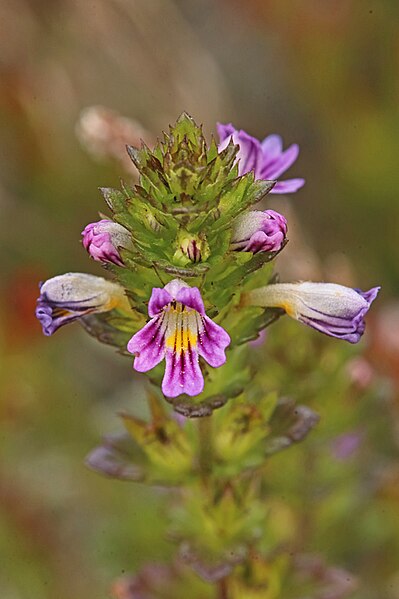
point(205, 446)
point(222, 589)
point(158, 275)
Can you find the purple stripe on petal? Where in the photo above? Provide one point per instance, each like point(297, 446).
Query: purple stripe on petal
point(182, 374)
point(288, 186)
point(148, 345)
point(158, 300)
point(250, 153)
point(191, 297)
point(212, 342)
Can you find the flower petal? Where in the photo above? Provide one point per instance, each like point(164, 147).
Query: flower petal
point(369, 295)
point(148, 345)
point(174, 286)
point(266, 159)
point(273, 168)
point(52, 318)
point(261, 242)
point(191, 297)
point(272, 145)
point(288, 186)
point(158, 300)
point(212, 341)
point(224, 131)
point(182, 373)
point(249, 155)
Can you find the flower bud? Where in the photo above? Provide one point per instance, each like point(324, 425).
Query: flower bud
point(332, 309)
point(191, 248)
point(67, 297)
point(258, 231)
point(103, 239)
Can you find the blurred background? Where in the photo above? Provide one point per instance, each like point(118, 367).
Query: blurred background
point(323, 74)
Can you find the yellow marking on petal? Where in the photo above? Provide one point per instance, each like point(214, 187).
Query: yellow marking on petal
point(57, 312)
point(181, 334)
point(180, 340)
point(289, 309)
point(192, 337)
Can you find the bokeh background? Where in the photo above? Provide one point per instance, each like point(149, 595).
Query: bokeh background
point(324, 74)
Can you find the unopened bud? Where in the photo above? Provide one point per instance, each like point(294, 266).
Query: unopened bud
point(258, 231)
point(103, 239)
point(191, 248)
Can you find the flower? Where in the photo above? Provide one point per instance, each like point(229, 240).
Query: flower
point(103, 238)
point(258, 231)
point(67, 297)
point(180, 332)
point(332, 309)
point(267, 158)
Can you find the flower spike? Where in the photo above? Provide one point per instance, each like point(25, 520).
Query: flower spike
point(266, 159)
point(179, 332)
point(67, 297)
point(332, 309)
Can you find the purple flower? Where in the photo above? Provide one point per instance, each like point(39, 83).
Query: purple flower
point(258, 231)
point(267, 158)
point(179, 332)
point(331, 309)
point(344, 446)
point(68, 297)
point(102, 240)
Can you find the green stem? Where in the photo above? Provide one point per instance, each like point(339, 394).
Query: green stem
point(205, 446)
